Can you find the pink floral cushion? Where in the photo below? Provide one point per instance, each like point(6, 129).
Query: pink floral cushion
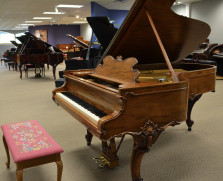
point(27, 140)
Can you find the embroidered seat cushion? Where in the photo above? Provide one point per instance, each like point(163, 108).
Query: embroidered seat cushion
point(28, 140)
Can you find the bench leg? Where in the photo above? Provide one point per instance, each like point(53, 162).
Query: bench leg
point(7, 152)
point(19, 175)
point(59, 168)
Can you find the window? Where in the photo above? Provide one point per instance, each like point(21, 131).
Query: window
point(6, 37)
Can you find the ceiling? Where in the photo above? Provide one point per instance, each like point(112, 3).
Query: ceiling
point(13, 13)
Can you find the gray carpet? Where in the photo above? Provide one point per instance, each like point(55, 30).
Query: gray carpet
point(178, 155)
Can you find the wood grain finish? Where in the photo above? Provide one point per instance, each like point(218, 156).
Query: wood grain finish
point(130, 102)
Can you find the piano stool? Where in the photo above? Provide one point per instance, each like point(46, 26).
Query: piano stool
point(30, 145)
point(11, 64)
point(41, 68)
point(59, 82)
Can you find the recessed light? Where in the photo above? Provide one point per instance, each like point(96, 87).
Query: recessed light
point(54, 12)
point(42, 18)
point(33, 21)
point(26, 24)
point(77, 16)
point(69, 6)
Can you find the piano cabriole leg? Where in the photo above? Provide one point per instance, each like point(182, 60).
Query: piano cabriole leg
point(20, 70)
point(88, 137)
point(109, 152)
point(191, 103)
point(54, 71)
point(143, 140)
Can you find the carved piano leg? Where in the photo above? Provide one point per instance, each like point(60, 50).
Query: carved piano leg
point(143, 140)
point(88, 137)
point(190, 107)
point(110, 153)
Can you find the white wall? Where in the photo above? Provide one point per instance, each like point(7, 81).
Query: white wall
point(180, 9)
point(86, 31)
point(209, 11)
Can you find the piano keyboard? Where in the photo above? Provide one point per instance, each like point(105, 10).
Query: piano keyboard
point(89, 111)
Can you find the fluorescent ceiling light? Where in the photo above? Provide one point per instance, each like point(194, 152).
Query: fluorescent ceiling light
point(69, 6)
point(33, 21)
point(42, 18)
point(54, 12)
point(27, 24)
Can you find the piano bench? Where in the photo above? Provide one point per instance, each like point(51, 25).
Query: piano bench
point(30, 145)
point(59, 82)
point(11, 64)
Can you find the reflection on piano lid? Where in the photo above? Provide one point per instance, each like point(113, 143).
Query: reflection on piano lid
point(135, 100)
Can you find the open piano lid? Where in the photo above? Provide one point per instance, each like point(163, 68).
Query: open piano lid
point(180, 35)
point(34, 42)
point(14, 43)
point(103, 29)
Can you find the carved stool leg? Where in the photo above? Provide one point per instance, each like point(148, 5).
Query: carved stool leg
point(7, 152)
point(88, 137)
point(191, 103)
point(19, 175)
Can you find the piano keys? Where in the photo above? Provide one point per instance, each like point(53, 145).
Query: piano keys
point(144, 89)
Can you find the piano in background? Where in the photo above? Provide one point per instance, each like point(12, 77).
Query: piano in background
point(216, 54)
point(35, 51)
point(104, 31)
point(122, 97)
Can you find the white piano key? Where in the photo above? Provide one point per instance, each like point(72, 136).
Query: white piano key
point(79, 107)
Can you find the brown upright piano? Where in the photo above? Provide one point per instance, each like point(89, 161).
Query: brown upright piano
point(35, 51)
point(144, 92)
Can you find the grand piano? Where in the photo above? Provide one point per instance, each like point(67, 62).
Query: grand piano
point(144, 89)
point(216, 54)
point(35, 51)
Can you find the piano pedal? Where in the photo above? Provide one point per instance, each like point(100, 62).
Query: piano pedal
point(102, 161)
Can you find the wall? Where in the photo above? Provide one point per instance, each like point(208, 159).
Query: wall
point(117, 15)
point(86, 31)
point(209, 11)
point(57, 33)
point(179, 9)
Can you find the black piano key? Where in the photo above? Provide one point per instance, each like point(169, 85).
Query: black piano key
point(84, 104)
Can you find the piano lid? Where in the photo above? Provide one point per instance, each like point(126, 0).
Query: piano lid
point(103, 29)
point(78, 41)
point(14, 43)
point(34, 42)
point(180, 35)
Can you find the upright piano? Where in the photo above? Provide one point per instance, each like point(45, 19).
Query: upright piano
point(143, 90)
point(35, 51)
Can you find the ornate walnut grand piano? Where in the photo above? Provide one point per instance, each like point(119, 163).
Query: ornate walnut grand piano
point(35, 51)
point(122, 97)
